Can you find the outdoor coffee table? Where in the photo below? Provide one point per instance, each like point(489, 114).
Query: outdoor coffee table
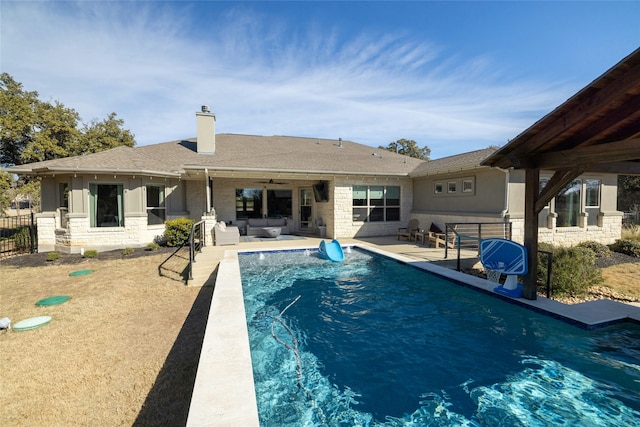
point(271, 231)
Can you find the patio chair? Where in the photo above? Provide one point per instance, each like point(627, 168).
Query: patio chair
point(410, 230)
point(226, 234)
point(439, 237)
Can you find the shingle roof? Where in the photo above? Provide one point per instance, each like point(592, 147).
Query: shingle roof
point(240, 152)
point(269, 154)
point(470, 160)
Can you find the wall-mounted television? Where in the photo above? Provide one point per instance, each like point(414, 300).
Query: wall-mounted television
point(321, 191)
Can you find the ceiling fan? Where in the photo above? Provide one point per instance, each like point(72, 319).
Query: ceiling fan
point(271, 181)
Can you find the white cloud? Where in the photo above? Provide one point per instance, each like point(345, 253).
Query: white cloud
point(143, 61)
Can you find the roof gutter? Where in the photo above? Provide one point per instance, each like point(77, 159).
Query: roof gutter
point(53, 170)
point(300, 171)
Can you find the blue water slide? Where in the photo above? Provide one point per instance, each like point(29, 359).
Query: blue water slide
point(331, 251)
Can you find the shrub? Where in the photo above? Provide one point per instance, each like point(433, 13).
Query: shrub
point(627, 247)
point(177, 231)
point(153, 247)
point(22, 239)
point(52, 256)
point(600, 250)
point(573, 269)
point(127, 251)
point(91, 253)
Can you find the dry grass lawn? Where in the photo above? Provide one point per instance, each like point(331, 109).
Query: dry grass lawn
point(122, 351)
point(624, 278)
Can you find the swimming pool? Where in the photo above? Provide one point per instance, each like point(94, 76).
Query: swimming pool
point(374, 342)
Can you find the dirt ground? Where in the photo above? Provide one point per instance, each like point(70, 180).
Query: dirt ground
point(122, 351)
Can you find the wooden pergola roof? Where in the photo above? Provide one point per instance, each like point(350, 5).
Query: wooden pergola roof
point(596, 130)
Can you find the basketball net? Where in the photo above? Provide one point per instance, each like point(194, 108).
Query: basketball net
point(493, 275)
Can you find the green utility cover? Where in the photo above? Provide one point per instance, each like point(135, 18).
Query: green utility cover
point(58, 299)
point(80, 273)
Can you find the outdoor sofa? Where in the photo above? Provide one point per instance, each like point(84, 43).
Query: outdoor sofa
point(255, 225)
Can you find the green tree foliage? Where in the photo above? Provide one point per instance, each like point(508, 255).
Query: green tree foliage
point(17, 119)
point(408, 147)
point(32, 130)
point(628, 193)
point(5, 191)
point(106, 134)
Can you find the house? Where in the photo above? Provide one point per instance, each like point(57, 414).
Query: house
point(122, 197)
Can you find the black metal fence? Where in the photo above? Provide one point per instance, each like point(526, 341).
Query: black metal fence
point(18, 235)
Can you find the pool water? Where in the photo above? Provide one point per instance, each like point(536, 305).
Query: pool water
point(373, 342)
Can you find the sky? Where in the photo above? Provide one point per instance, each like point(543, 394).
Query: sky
point(454, 76)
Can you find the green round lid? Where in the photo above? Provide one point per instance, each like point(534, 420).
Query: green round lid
point(31, 323)
point(80, 272)
point(55, 300)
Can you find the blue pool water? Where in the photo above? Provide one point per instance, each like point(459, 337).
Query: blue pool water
point(373, 342)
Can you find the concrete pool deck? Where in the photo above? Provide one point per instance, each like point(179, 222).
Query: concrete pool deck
point(223, 393)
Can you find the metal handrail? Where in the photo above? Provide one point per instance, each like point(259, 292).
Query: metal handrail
point(195, 244)
point(473, 231)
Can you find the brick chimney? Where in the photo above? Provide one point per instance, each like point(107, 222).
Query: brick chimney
point(206, 127)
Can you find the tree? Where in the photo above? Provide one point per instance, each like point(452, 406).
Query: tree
point(628, 193)
point(17, 118)
point(408, 147)
point(32, 130)
point(100, 136)
point(5, 191)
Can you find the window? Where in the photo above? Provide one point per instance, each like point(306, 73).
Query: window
point(438, 188)
point(568, 204)
point(248, 203)
point(592, 192)
point(452, 187)
point(376, 203)
point(156, 210)
point(106, 205)
point(279, 203)
point(63, 194)
point(467, 185)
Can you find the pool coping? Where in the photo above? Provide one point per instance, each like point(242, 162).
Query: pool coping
point(224, 393)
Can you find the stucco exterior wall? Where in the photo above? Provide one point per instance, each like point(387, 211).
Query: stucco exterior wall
point(487, 195)
point(69, 231)
point(605, 228)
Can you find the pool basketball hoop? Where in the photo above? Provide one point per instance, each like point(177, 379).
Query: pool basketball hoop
point(502, 256)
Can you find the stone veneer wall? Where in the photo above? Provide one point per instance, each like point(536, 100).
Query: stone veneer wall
point(345, 227)
point(79, 235)
point(608, 230)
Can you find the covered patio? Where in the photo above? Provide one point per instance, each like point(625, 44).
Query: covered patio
point(596, 130)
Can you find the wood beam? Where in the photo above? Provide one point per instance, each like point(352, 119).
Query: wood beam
point(620, 168)
point(558, 181)
point(587, 103)
point(618, 151)
point(532, 189)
